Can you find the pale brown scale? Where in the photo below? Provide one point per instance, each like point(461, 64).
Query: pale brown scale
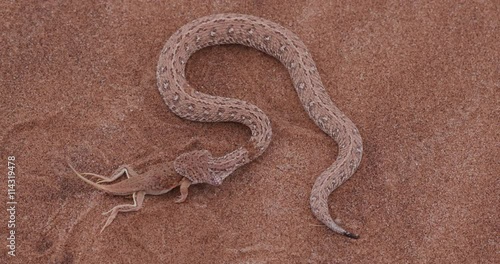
point(200, 166)
point(284, 45)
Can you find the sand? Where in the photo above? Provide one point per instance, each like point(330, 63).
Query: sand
point(421, 81)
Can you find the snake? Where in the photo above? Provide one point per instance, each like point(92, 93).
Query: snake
point(200, 166)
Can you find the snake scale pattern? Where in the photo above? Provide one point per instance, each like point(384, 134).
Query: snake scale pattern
point(200, 166)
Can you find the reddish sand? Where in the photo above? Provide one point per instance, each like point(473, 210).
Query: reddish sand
point(421, 81)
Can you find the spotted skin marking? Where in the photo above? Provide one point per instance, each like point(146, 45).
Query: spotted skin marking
point(285, 46)
point(200, 166)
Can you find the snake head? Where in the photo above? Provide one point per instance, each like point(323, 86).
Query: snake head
point(195, 166)
point(200, 167)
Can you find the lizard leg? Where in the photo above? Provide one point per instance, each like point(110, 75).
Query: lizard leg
point(184, 185)
point(124, 169)
point(129, 172)
point(138, 201)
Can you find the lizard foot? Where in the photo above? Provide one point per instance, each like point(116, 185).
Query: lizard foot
point(138, 200)
point(184, 185)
